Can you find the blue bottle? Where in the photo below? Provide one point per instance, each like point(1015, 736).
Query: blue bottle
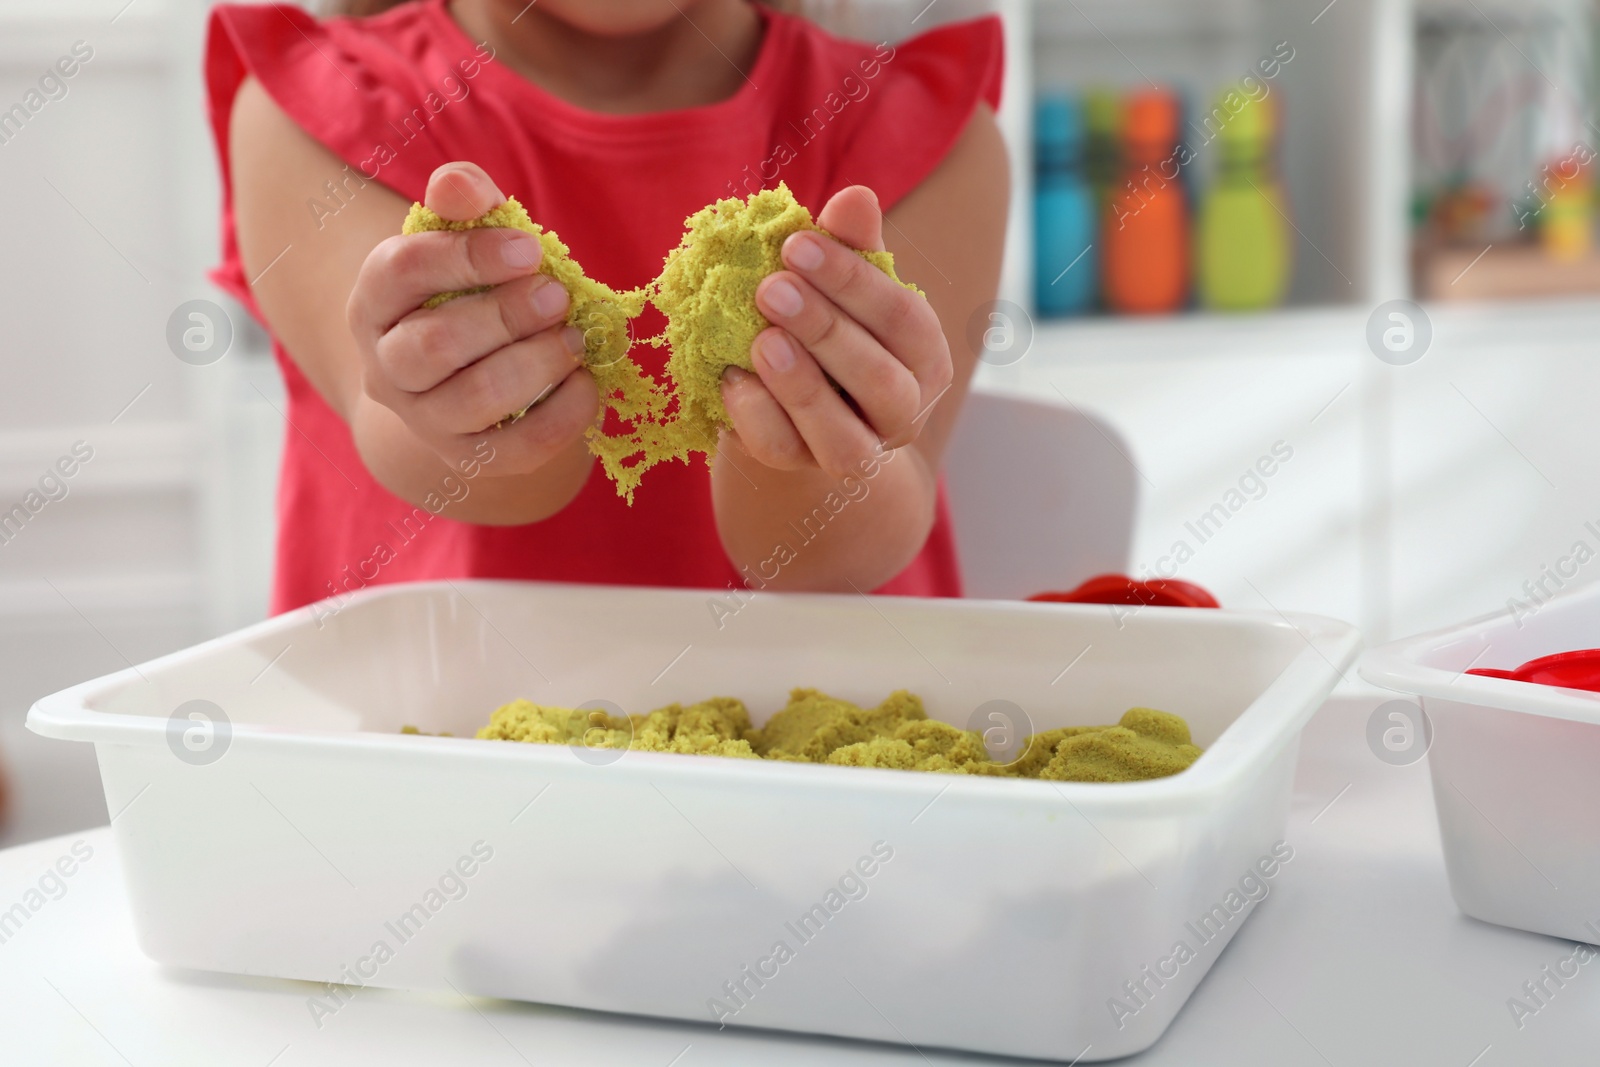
point(1066, 261)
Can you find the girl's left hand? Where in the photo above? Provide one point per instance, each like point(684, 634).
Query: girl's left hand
point(837, 319)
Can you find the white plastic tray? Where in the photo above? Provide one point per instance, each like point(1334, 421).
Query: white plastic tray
point(1516, 766)
point(999, 916)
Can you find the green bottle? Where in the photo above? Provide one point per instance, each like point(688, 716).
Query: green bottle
point(1102, 154)
point(1243, 248)
point(1102, 118)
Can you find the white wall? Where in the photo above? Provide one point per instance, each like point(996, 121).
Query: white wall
point(1417, 495)
point(110, 222)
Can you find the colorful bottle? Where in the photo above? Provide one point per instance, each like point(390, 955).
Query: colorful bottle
point(1566, 223)
point(1102, 119)
point(1189, 175)
point(1145, 227)
point(1066, 268)
point(1243, 258)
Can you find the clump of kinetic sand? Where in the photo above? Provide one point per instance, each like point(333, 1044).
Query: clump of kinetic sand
point(706, 292)
point(601, 312)
point(1145, 744)
point(814, 725)
point(897, 734)
point(714, 727)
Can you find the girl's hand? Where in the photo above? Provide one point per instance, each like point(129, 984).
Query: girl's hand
point(453, 372)
point(837, 318)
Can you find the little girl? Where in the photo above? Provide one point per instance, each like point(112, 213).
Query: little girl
point(611, 121)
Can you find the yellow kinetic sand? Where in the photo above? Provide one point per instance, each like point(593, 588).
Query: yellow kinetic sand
point(602, 313)
point(715, 727)
point(897, 734)
point(1145, 744)
point(706, 292)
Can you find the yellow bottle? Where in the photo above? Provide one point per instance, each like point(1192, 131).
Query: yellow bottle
point(1566, 224)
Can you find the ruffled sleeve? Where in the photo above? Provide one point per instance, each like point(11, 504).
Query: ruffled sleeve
point(919, 105)
point(380, 101)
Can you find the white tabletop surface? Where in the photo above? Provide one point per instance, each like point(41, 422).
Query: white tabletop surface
point(1358, 958)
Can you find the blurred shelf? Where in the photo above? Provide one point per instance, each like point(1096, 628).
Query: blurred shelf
point(1344, 80)
point(1304, 332)
point(1504, 272)
point(1104, 19)
point(1485, 10)
point(107, 595)
point(1536, 324)
point(129, 457)
point(37, 34)
point(1200, 334)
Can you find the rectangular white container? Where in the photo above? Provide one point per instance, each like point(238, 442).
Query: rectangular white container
point(975, 913)
point(1516, 766)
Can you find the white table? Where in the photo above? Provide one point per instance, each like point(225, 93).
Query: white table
point(1358, 958)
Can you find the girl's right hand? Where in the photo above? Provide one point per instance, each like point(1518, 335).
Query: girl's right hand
point(453, 372)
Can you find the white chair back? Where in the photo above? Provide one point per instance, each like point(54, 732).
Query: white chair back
point(1043, 496)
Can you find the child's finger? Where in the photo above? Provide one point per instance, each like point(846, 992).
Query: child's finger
point(901, 320)
point(838, 439)
point(556, 424)
point(503, 383)
point(404, 272)
point(461, 191)
point(761, 426)
point(884, 388)
point(854, 217)
point(431, 344)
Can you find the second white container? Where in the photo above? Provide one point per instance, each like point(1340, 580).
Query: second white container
point(1515, 766)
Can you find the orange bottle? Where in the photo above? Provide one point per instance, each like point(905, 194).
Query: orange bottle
point(1145, 229)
